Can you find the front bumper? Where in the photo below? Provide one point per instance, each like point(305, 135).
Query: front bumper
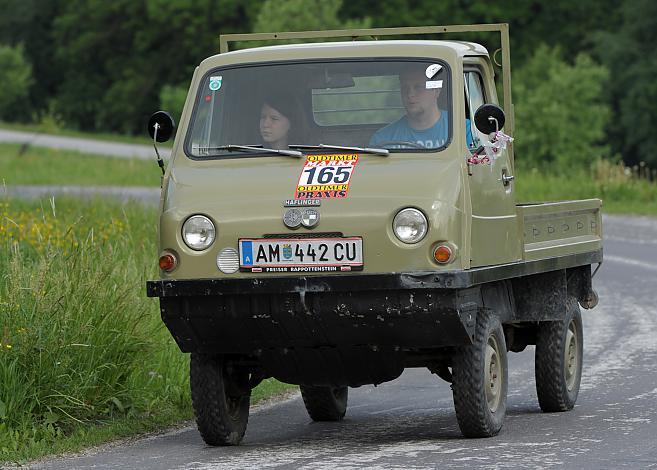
point(338, 329)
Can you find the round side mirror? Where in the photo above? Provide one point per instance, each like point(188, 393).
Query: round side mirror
point(489, 118)
point(163, 123)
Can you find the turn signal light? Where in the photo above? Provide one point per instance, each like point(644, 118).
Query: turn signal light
point(168, 261)
point(442, 254)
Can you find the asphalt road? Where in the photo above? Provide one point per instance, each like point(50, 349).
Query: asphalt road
point(97, 147)
point(410, 423)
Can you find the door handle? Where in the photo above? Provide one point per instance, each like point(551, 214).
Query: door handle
point(506, 178)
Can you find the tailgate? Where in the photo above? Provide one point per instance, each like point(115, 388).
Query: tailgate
point(561, 228)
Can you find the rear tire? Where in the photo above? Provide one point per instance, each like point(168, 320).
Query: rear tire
point(325, 403)
point(480, 380)
point(558, 360)
point(220, 398)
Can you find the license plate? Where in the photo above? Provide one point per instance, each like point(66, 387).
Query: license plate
point(301, 254)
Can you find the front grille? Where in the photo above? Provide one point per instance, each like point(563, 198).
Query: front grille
point(304, 235)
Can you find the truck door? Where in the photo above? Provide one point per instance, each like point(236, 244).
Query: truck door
point(494, 235)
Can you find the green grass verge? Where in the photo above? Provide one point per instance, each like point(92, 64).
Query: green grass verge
point(43, 166)
point(104, 431)
point(84, 356)
point(620, 194)
point(55, 130)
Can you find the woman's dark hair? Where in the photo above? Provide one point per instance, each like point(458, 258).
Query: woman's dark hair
point(288, 106)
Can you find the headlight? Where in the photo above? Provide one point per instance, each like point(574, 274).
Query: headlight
point(410, 225)
point(198, 232)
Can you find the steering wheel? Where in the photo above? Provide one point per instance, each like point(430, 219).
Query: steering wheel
point(401, 142)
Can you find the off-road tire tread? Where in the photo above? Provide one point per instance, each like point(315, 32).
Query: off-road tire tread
point(207, 387)
point(553, 395)
point(321, 405)
point(472, 412)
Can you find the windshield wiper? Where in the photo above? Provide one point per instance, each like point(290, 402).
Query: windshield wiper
point(253, 148)
point(374, 151)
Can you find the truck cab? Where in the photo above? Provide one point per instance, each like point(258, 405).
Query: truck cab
point(335, 212)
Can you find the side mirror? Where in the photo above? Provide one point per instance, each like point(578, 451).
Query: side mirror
point(489, 118)
point(161, 126)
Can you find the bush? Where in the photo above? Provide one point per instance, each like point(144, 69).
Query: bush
point(560, 113)
point(172, 99)
point(16, 78)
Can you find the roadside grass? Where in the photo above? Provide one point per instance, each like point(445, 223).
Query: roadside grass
point(43, 166)
point(52, 128)
point(622, 190)
point(106, 431)
point(84, 356)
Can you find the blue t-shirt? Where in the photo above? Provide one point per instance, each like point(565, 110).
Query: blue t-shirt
point(431, 138)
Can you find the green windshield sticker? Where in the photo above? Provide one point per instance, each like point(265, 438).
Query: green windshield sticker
point(215, 83)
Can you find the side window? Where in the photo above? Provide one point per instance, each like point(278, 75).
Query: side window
point(474, 97)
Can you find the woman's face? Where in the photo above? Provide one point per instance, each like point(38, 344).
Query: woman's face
point(273, 127)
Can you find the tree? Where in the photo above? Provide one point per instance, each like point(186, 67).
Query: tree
point(560, 111)
point(304, 15)
point(16, 78)
point(29, 23)
point(532, 22)
point(172, 99)
point(629, 54)
point(115, 57)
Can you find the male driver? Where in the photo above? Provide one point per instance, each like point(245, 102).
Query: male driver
point(424, 125)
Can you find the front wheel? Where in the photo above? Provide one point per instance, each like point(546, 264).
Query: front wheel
point(220, 398)
point(325, 403)
point(480, 380)
point(558, 360)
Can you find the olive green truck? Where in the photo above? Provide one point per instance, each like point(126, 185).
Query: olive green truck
point(335, 212)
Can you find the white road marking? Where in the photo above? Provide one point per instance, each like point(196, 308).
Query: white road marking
point(631, 262)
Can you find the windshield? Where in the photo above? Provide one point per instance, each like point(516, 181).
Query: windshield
point(401, 105)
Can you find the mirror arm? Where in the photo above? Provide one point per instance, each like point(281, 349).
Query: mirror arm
point(160, 162)
point(497, 124)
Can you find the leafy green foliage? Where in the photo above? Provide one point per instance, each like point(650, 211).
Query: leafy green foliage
point(117, 56)
point(304, 15)
point(299, 15)
point(560, 112)
point(172, 99)
point(629, 54)
point(102, 66)
point(15, 77)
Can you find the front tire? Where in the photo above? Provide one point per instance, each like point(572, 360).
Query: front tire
point(480, 380)
point(325, 403)
point(220, 397)
point(558, 360)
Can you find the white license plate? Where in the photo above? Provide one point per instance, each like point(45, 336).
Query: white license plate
point(301, 254)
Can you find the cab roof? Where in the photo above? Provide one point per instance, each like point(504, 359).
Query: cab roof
point(346, 49)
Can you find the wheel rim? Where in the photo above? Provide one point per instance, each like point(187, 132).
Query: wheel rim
point(571, 362)
point(493, 374)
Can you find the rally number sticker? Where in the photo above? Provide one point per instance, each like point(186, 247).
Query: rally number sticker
point(326, 176)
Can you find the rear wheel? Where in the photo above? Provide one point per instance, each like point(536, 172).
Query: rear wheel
point(220, 398)
point(558, 360)
point(480, 380)
point(325, 403)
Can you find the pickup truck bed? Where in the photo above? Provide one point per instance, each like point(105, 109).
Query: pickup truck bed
point(560, 228)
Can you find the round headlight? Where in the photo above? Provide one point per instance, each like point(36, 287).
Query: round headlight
point(198, 232)
point(410, 225)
